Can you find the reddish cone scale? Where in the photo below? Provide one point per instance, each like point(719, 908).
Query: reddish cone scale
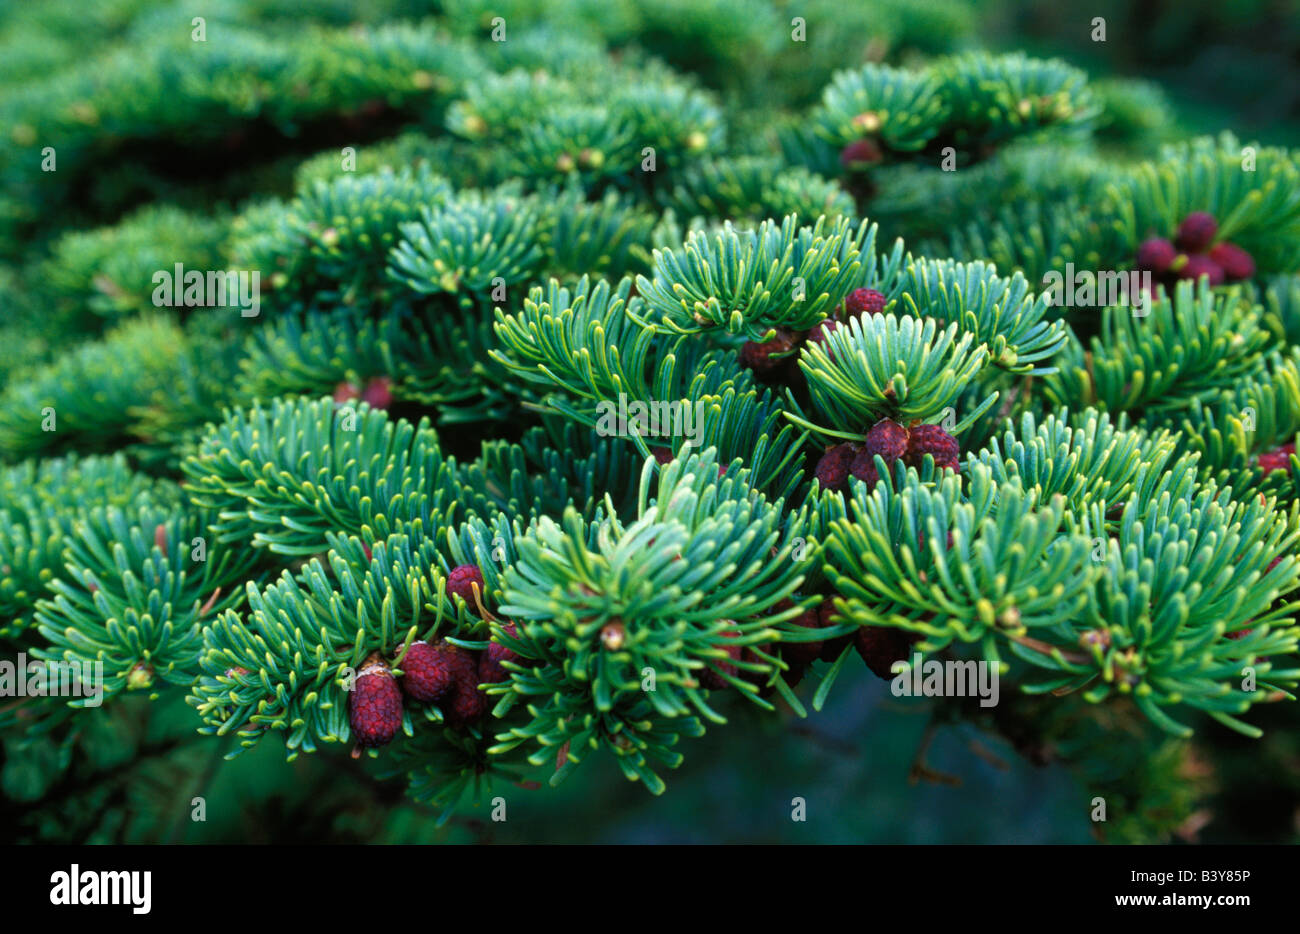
point(467, 704)
point(1235, 262)
point(888, 439)
point(832, 471)
point(375, 707)
point(347, 392)
point(860, 154)
point(864, 301)
point(1157, 255)
point(1196, 232)
point(880, 647)
point(461, 582)
point(1198, 266)
point(428, 671)
point(863, 467)
point(765, 359)
point(489, 663)
point(378, 393)
point(1279, 459)
point(463, 664)
point(932, 440)
point(820, 335)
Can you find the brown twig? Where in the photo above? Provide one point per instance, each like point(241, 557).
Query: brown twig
point(920, 770)
point(1046, 648)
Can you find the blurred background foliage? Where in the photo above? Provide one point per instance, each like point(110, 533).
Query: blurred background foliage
point(1223, 65)
point(870, 767)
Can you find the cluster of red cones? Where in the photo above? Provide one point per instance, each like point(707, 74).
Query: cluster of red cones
point(1193, 254)
point(377, 393)
point(892, 442)
point(771, 360)
point(439, 673)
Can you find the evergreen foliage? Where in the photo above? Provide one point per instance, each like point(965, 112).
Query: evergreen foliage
point(510, 325)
